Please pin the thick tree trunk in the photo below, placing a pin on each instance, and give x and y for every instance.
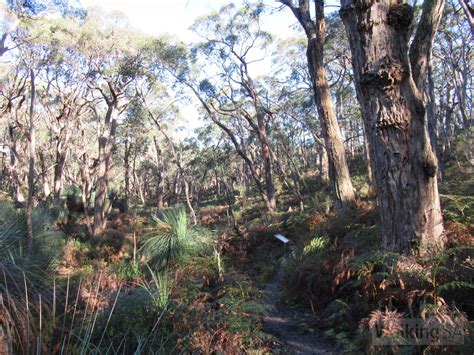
(394, 113)
(339, 178)
(105, 151)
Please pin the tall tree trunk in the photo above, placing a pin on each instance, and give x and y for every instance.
(85, 189)
(370, 171)
(31, 165)
(11, 166)
(159, 175)
(339, 178)
(432, 119)
(139, 188)
(128, 148)
(62, 141)
(44, 174)
(267, 163)
(105, 151)
(390, 91)
(323, 163)
(188, 201)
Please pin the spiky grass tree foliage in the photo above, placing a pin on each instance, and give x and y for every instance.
(171, 238)
(24, 296)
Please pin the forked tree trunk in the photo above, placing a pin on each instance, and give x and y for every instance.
(390, 91)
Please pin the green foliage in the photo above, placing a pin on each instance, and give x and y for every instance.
(126, 270)
(242, 305)
(159, 288)
(25, 276)
(456, 189)
(458, 208)
(455, 285)
(316, 244)
(74, 198)
(13, 240)
(171, 238)
(371, 261)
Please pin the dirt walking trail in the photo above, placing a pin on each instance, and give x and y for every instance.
(289, 325)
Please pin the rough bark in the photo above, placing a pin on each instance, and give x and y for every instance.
(394, 114)
(106, 142)
(339, 178)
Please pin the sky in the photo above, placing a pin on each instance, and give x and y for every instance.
(176, 16)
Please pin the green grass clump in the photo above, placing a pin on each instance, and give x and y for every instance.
(171, 238)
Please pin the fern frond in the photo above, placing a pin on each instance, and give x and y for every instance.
(455, 285)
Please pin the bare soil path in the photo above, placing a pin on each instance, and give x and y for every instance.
(291, 325)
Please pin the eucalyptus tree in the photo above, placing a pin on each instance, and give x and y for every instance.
(114, 59)
(315, 30)
(66, 98)
(21, 104)
(233, 41)
(390, 83)
(14, 91)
